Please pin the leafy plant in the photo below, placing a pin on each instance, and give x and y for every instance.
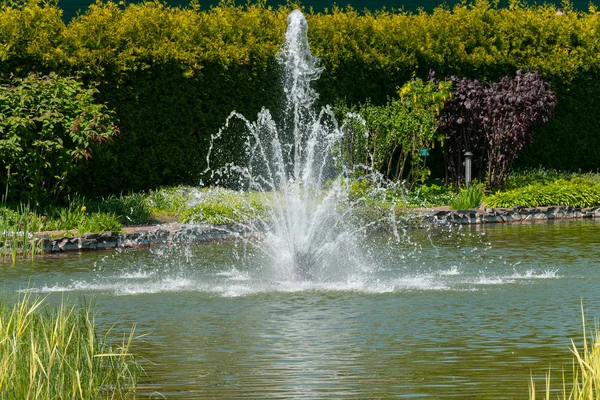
(430, 195)
(173, 200)
(398, 131)
(99, 222)
(494, 122)
(131, 209)
(560, 192)
(221, 207)
(468, 198)
(48, 124)
(521, 178)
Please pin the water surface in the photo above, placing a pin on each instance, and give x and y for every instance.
(462, 313)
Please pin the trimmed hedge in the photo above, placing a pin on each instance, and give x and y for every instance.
(174, 74)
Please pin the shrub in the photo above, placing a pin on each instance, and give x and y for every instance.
(48, 124)
(560, 192)
(398, 131)
(174, 74)
(494, 122)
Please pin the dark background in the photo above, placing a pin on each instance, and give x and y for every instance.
(71, 7)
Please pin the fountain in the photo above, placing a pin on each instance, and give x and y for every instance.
(307, 224)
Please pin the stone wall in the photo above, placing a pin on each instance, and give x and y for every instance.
(515, 214)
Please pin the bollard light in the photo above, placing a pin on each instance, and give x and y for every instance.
(468, 157)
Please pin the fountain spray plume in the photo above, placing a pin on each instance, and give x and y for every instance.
(306, 227)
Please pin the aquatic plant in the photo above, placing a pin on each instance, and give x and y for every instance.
(18, 233)
(48, 354)
(585, 383)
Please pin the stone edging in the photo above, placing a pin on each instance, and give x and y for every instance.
(515, 214)
(167, 234)
(177, 233)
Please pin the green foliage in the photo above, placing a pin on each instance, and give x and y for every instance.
(468, 198)
(47, 125)
(524, 177)
(222, 207)
(173, 74)
(430, 195)
(48, 353)
(132, 209)
(398, 131)
(560, 192)
(99, 222)
(173, 200)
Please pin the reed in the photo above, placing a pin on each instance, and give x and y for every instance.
(18, 236)
(585, 383)
(56, 353)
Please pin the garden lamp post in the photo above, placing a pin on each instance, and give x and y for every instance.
(468, 157)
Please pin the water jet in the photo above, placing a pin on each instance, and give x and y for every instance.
(291, 164)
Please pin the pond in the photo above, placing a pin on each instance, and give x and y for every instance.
(465, 312)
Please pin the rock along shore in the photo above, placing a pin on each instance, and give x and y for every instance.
(168, 234)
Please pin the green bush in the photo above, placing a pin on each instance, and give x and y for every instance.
(48, 124)
(398, 131)
(560, 192)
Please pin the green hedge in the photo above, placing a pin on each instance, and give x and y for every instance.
(174, 74)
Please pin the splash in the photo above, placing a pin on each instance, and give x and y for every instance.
(305, 224)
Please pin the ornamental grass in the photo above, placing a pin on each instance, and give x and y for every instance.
(56, 353)
(585, 383)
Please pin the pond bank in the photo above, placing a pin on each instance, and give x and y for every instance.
(168, 234)
(444, 215)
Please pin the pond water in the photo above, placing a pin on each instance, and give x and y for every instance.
(466, 312)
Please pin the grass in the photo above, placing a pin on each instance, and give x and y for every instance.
(468, 198)
(585, 383)
(52, 354)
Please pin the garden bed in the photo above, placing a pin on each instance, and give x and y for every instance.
(173, 233)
